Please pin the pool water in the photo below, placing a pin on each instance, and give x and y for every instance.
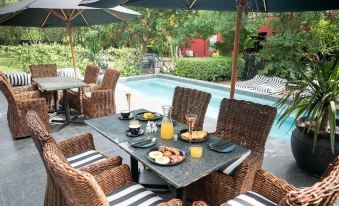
(164, 89)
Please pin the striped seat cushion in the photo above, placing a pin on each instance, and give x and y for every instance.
(85, 158)
(68, 72)
(133, 195)
(18, 78)
(250, 199)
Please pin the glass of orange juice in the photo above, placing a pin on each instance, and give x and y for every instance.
(196, 151)
(167, 129)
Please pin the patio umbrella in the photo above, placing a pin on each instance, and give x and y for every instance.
(61, 13)
(226, 5)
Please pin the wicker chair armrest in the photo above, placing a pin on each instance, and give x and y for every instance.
(29, 88)
(27, 95)
(101, 94)
(92, 87)
(99, 167)
(114, 178)
(271, 186)
(31, 104)
(77, 144)
(199, 203)
(172, 202)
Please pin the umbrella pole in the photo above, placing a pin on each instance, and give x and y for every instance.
(236, 47)
(70, 35)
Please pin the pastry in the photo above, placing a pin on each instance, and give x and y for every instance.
(195, 135)
(148, 115)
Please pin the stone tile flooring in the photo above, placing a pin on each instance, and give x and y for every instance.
(23, 178)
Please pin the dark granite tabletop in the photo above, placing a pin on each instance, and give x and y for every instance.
(58, 83)
(189, 171)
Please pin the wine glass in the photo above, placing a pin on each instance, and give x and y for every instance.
(190, 120)
(128, 97)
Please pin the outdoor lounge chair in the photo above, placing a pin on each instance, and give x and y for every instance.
(187, 100)
(247, 124)
(19, 103)
(112, 186)
(75, 96)
(273, 85)
(100, 99)
(79, 152)
(269, 190)
(250, 84)
(45, 70)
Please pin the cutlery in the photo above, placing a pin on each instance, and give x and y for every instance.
(142, 140)
(145, 142)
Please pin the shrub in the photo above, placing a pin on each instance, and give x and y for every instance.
(208, 68)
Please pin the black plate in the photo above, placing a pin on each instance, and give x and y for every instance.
(226, 147)
(193, 140)
(140, 116)
(129, 134)
(150, 144)
(131, 116)
(169, 164)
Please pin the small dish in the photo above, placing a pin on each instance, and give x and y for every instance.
(145, 144)
(222, 146)
(162, 162)
(193, 140)
(140, 116)
(131, 116)
(129, 134)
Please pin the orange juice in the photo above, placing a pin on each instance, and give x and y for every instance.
(196, 151)
(167, 131)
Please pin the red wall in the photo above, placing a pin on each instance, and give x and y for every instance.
(199, 48)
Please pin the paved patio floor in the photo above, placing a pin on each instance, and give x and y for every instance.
(23, 178)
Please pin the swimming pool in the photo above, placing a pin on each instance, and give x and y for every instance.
(164, 89)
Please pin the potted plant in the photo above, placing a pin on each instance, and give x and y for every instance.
(315, 140)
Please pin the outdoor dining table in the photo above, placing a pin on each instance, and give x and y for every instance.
(179, 176)
(53, 84)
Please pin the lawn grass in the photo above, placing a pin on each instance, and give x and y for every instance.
(7, 64)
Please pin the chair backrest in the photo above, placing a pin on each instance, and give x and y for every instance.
(6, 89)
(245, 123)
(324, 192)
(79, 188)
(91, 74)
(187, 100)
(43, 70)
(40, 135)
(3, 75)
(110, 79)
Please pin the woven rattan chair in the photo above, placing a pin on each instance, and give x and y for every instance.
(75, 95)
(19, 104)
(244, 123)
(113, 186)
(45, 70)
(100, 100)
(280, 192)
(21, 89)
(78, 151)
(187, 100)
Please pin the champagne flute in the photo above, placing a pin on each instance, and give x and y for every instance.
(128, 97)
(190, 120)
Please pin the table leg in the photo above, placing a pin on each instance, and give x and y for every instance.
(134, 169)
(181, 194)
(55, 97)
(66, 105)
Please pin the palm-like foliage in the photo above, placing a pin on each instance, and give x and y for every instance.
(315, 99)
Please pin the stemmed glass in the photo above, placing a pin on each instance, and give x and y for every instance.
(128, 97)
(190, 120)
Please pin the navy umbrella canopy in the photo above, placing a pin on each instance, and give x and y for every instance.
(226, 5)
(61, 13)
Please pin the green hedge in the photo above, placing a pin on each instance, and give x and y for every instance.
(207, 68)
(126, 60)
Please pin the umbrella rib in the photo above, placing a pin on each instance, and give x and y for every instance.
(67, 19)
(77, 14)
(265, 5)
(43, 23)
(10, 16)
(125, 2)
(84, 18)
(192, 4)
(57, 15)
(115, 15)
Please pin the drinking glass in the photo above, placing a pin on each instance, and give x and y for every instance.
(190, 120)
(196, 151)
(128, 97)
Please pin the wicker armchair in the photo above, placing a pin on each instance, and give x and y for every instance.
(21, 89)
(280, 192)
(244, 123)
(18, 105)
(113, 186)
(78, 151)
(190, 100)
(45, 70)
(100, 99)
(75, 96)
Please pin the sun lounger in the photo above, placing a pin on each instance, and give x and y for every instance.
(257, 80)
(274, 85)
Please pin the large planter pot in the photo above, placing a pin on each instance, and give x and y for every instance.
(302, 148)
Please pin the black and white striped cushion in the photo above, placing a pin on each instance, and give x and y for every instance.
(68, 72)
(133, 195)
(18, 78)
(85, 158)
(250, 199)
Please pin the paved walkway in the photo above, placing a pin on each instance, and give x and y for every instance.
(23, 178)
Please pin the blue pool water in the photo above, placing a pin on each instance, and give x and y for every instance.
(164, 89)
